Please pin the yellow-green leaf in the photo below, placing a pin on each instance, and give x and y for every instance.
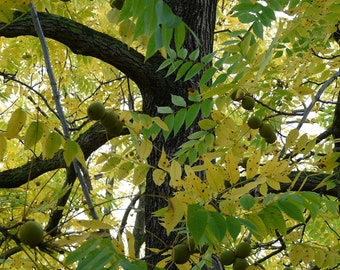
(158, 176)
(161, 123)
(291, 138)
(145, 149)
(33, 134)
(207, 124)
(70, 151)
(3, 146)
(15, 123)
(139, 174)
(51, 144)
(175, 174)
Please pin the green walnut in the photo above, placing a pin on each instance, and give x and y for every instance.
(180, 254)
(266, 130)
(243, 250)
(271, 139)
(254, 122)
(31, 233)
(111, 123)
(240, 264)
(248, 103)
(227, 257)
(96, 111)
(237, 95)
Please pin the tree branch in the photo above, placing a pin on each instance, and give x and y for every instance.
(89, 141)
(89, 42)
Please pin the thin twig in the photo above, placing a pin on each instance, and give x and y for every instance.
(313, 102)
(59, 107)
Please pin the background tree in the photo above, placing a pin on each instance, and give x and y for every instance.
(230, 134)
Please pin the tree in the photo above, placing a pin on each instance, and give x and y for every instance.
(183, 78)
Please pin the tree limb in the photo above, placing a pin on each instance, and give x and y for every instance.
(89, 141)
(89, 42)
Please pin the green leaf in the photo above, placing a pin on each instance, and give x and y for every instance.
(179, 120)
(258, 29)
(194, 55)
(233, 226)
(247, 201)
(182, 70)
(192, 114)
(217, 225)
(273, 219)
(173, 67)
(169, 120)
(179, 36)
(197, 221)
(207, 106)
(164, 110)
(166, 63)
(220, 79)
(178, 101)
(182, 53)
(194, 70)
(207, 58)
(207, 75)
(290, 208)
(82, 251)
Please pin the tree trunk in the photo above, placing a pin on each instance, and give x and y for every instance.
(199, 15)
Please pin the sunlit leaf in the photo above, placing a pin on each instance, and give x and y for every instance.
(33, 134)
(16, 123)
(51, 144)
(70, 151)
(173, 214)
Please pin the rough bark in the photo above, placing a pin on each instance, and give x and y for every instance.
(200, 17)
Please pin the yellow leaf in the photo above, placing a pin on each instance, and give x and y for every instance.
(15, 123)
(173, 215)
(273, 183)
(329, 162)
(301, 144)
(131, 244)
(3, 146)
(51, 145)
(124, 169)
(161, 123)
(33, 134)
(207, 124)
(296, 254)
(139, 174)
(253, 164)
(291, 138)
(163, 162)
(70, 151)
(232, 168)
(175, 174)
(158, 176)
(145, 149)
(80, 156)
(303, 90)
(215, 177)
(94, 224)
